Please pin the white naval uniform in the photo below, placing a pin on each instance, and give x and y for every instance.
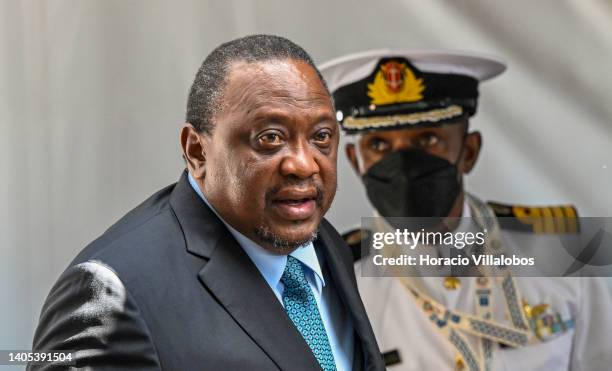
(400, 324)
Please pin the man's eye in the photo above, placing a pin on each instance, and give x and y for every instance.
(270, 139)
(379, 145)
(323, 137)
(428, 140)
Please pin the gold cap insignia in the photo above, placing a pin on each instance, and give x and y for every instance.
(395, 82)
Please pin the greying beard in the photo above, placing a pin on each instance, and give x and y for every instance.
(280, 244)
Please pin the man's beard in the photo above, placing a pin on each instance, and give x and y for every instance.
(281, 245)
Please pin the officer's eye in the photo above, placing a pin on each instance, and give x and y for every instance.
(270, 139)
(428, 140)
(378, 145)
(323, 137)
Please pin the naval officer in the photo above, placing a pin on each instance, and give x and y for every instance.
(408, 115)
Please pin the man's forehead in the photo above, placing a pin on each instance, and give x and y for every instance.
(276, 83)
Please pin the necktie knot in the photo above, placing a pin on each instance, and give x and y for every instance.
(293, 276)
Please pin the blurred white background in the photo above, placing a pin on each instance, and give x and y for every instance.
(92, 94)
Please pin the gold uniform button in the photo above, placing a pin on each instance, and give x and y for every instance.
(452, 283)
(459, 365)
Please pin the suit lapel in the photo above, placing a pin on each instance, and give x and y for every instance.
(235, 282)
(347, 290)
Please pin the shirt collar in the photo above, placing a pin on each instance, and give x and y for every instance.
(271, 266)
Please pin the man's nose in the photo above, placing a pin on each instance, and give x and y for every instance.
(401, 144)
(300, 162)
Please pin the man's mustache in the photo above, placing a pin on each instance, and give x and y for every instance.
(296, 184)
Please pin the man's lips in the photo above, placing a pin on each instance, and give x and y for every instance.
(295, 204)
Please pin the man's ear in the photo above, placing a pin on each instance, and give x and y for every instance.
(351, 154)
(471, 150)
(194, 151)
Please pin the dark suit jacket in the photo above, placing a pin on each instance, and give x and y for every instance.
(167, 287)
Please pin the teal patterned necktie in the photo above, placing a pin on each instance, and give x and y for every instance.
(302, 308)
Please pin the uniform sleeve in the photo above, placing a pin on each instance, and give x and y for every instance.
(592, 348)
(90, 313)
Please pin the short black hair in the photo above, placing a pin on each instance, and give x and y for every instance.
(206, 92)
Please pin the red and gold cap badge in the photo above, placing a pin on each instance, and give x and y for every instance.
(395, 82)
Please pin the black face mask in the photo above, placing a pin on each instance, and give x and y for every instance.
(412, 183)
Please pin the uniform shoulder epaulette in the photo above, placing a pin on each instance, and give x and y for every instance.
(353, 239)
(555, 219)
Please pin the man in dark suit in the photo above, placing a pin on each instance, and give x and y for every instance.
(233, 267)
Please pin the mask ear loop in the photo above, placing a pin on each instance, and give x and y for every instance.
(456, 164)
(465, 134)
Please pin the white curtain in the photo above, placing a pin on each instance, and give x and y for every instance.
(92, 94)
